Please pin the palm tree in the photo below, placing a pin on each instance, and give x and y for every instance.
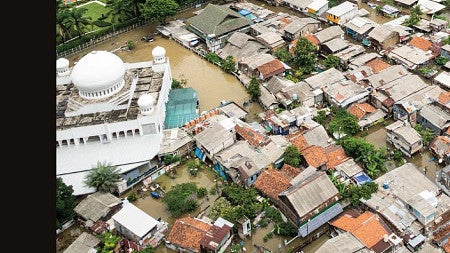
(103, 177)
(78, 21)
(121, 10)
(62, 18)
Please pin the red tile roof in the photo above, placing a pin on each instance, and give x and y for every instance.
(377, 65)
(366, 227)
(315, 156)
(444, 97)
(300, 142)
(255, 138)
(272, 182)
(335, 155)
(188, 232)
(312, 38)
(447, 247)
(421, 43)
(290, 171)
(214, 236)
(271, 68)
(359, 110)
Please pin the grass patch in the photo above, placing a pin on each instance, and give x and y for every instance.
(95, 11)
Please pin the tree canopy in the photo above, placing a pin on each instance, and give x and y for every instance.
(253, 89)
(305, 55)
(65, 202)
(292, 156)
(181, 198)
(343, 122)
(159, 10)
(332, 61)
(103, 177)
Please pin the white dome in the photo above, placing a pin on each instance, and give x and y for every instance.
(145, 101)
(158, 52)
(62, 63)
(98, 71)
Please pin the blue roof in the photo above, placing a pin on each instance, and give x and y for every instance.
(250, 16)
(362, 178)
(244, 12)
(181, 107)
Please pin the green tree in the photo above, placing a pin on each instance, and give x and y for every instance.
(283, 55)
(321, 117)
(103, 177)
(343, 122)
(441, 60)
(253, 89)
(62, 19)
(179, 84)
(426, 133)
(292, 156)
(332, 61)
(228, 65)
(219, 208)
(148, 249)
(169, 159)
(65, 202)
(414, 16)
(120, 10)
(108, 242)
(77, 21)
(182, 198)
(159, 10)
(305, 55)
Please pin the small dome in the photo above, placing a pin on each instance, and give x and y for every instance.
(145, 101)
(62, 63)
(158, 52)
(98, 71)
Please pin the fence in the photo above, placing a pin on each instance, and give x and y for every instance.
(103, 38)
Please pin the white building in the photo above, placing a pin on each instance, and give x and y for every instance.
(110, 111)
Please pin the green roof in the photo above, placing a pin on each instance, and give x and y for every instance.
(181, 107)
(218, 20)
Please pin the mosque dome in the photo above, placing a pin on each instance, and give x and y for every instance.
(62, 67)
(62, 63)
(158, 52)
(145, 103)
(98, 74)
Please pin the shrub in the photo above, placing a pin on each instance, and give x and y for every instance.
(132, 197)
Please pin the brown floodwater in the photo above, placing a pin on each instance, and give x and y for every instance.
(423, 160)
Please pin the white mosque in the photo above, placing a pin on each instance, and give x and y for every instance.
(110, 111)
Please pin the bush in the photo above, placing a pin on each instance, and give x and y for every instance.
(263, 223)
(101, 23)
(201, 192)
(213, 190)
(132, 197)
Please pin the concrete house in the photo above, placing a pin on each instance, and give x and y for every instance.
(344, 242)
(316, 135)
(346, 171)
(386, 75)
(387, 95)
(418, 196)
(297, 5)
(364, 59)
(403, 137)
(300, 92)
(300, 27)
(215, 24)
(273, 123)
(317, 7)
(443, 80)
(445, 51)
(85, 243)
(434, 118)
(195, 235)
(367, 115)
(417, 53)
(344, 93)
(271, 40)
(323, 79)
(342, 13)
(346, 55)
(370, 229)
(262, 66)
(406, 3)
(437, 24)
(213, 140)
(409, 107)
(329, 33)
(359, 27)
(267, 100)
(241, 45)
(275, 84)
(138, 226)
(98, 206)
(440, 147)
(333, 46)
(383, 37)
(311, 202)
(443, 179)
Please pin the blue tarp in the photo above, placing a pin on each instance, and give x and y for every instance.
(362, 178)
(250, 16)
(244, 12)
(199, 153)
